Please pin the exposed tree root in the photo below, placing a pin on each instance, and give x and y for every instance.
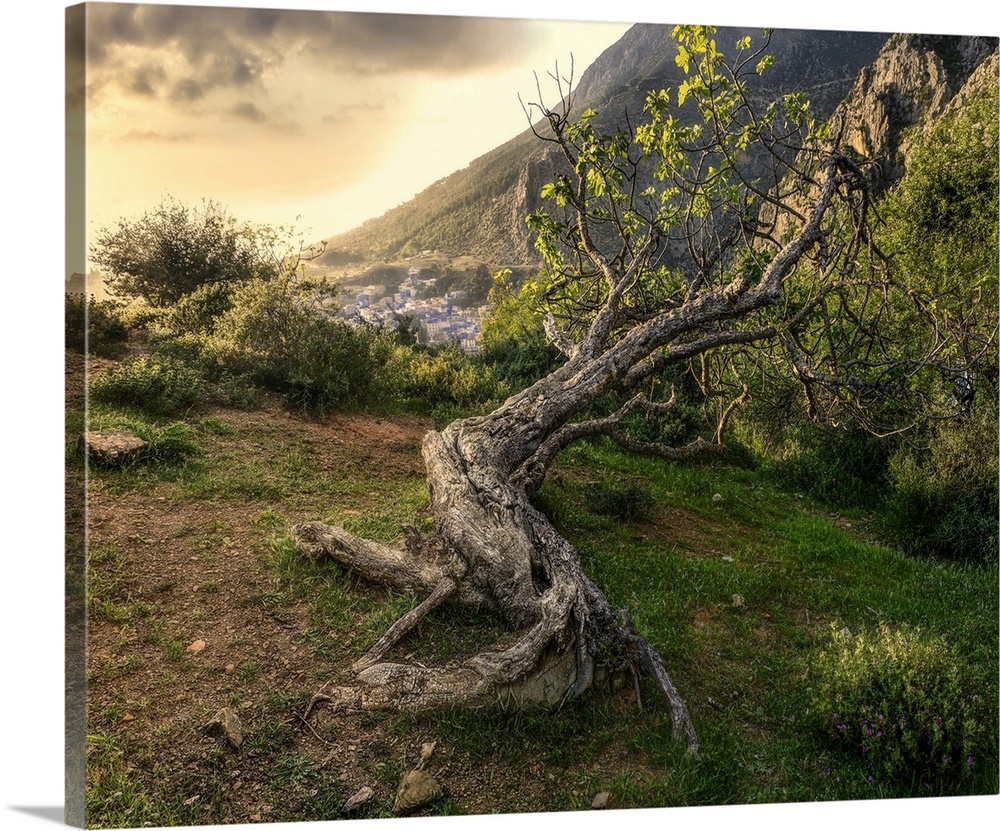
(534, 571)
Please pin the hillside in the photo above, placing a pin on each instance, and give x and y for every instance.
(480, 210)
(198, 601)
(877, 85)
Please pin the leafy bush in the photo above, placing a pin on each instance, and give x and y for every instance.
(173, 249)
(94, 325)
(625, 503)
(904, 707)
(198, 311)
(160, 385)
(445, 378)
(841, 466)
(278, 335)
(514, 342)
(947, 499)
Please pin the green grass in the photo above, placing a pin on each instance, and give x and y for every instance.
(743, 669)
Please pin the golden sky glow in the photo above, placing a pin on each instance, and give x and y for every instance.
(317, 119)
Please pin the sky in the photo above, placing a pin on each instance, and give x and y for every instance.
(305, 117)
(32, 222)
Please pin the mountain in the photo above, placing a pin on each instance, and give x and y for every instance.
(911, 82)
(479, 211)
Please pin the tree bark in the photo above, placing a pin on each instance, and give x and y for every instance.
(493, 550)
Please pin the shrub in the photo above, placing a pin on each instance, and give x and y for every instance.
(278, 335)
(946, 499)
(841, 466)
(173, 249)
(444, 378)
(159, 385)
(198, 311)
(94, 325)
(624, 503)
(904, 707)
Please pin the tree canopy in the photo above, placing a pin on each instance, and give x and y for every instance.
(733, 233)
(173, 249)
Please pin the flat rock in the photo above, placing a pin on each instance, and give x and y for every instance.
(601, 800)
(112, 448)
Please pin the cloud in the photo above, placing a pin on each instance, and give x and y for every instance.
(187, 90)
(138, 46)
(249, 112)
(157, 136)
(348, 113)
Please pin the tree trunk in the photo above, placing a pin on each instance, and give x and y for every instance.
(495, 551)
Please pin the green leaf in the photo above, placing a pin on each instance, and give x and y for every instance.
(682, 92)
(683, 59)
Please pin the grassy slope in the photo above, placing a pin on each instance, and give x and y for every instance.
(737, 594)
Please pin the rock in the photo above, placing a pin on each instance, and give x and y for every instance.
(601, 800)
(227, 724)
(738, 600)
(356, 801)
(196, 646)
(726, 558)
(717, 497)
(417, 788)
(425, 753)
(112, 448)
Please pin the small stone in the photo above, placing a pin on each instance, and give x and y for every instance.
(356, 801)
(425, 753)
(726, 558)
(601, 800)
(227, 724)
(738, 600)
(846, 634)
(416, 789)
(717, 497)
(196, 646)
(230, 669)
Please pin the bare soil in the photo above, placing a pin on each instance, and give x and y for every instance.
(205, 626)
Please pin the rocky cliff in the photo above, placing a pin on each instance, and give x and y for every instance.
(909, 84)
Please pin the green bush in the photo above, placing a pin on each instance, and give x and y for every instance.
(445, 378)
(904, 708)
(278, 336)
(946, 499)
(94, 325)
(157, 384)
(624, 503)
(840, 466)
(174, 249)
(198, 311)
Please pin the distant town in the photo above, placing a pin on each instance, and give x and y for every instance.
(433, 318)
(414, 303)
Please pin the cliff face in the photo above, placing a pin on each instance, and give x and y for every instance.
(910, 83)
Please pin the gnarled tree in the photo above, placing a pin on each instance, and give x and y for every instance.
(720, 222)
